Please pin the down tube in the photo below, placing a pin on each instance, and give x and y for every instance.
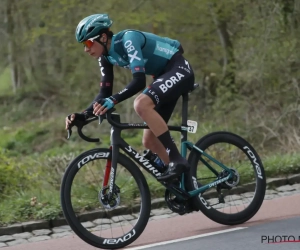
(139, 159)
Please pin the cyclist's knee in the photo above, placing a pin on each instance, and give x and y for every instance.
(143, 103)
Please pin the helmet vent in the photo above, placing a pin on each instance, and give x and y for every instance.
(90, 29)
(81, 28)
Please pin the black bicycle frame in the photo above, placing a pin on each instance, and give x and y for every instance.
(118, 142)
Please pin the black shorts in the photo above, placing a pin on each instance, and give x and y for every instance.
(177, 79)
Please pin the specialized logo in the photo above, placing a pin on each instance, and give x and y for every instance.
(169, 150)
(170, 82)
(112, 177)
(136, 124)
(187, 64)
(130, 48)
(143, 161)
(158, 80)
(218, 182)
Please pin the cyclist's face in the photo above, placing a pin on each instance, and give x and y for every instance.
(96, 49)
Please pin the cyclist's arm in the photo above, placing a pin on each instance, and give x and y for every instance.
(133, 42)
(106, 84)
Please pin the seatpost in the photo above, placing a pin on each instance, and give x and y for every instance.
(185, 99)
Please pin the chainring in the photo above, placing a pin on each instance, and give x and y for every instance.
(176, 205)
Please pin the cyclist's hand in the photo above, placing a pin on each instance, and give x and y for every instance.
(102, 105)
(71, 118)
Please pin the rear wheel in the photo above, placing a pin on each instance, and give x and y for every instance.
(237, 200)
(113, 222)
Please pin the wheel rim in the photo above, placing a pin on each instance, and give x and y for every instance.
(110, 225)
(224, 198)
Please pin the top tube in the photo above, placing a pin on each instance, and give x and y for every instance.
(114, 120)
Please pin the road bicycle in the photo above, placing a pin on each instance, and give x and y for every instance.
(226, 182)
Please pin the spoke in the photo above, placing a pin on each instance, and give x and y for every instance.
(233, 158)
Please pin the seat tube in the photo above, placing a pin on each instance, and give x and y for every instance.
(185, 99)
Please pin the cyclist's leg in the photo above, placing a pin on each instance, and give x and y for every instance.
(144, 107)
(176, 80)
(150, 141)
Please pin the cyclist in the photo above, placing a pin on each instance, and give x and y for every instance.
(144, 54)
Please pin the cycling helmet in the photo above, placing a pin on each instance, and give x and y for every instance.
(91, 26)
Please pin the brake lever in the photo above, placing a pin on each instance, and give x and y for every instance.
(69, 133)
(102, 117)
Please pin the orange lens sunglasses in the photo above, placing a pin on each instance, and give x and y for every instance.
(89, 43)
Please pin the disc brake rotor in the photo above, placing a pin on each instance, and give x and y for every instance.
(107, 201)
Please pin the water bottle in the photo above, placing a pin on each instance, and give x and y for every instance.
(158, 163)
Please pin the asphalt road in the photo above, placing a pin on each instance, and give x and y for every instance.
(276, 217)
(271, 235)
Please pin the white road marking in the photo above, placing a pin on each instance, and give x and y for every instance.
(187, 238)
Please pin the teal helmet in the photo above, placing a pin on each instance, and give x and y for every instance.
(91, 26)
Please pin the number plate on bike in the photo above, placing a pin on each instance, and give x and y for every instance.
(192, 126)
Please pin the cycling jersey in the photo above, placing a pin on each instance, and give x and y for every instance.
(146, 54)
(141, 51)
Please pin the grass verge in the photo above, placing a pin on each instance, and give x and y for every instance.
(37, 195)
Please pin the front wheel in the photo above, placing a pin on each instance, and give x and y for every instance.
(114, 222)
(234, 201)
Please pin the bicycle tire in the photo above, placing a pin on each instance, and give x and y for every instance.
(203, 204)
(70, 215)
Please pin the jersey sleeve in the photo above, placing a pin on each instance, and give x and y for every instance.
(133, 42)
(106, 84)
(107, 77)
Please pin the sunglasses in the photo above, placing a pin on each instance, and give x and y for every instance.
(89, 43)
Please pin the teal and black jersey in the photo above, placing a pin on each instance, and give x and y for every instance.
(141, 51)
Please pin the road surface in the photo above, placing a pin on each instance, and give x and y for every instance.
(196, 224)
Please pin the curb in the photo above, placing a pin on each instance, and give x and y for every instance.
(44, 224)
(30, 226)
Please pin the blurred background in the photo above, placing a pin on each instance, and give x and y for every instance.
(246, 56)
